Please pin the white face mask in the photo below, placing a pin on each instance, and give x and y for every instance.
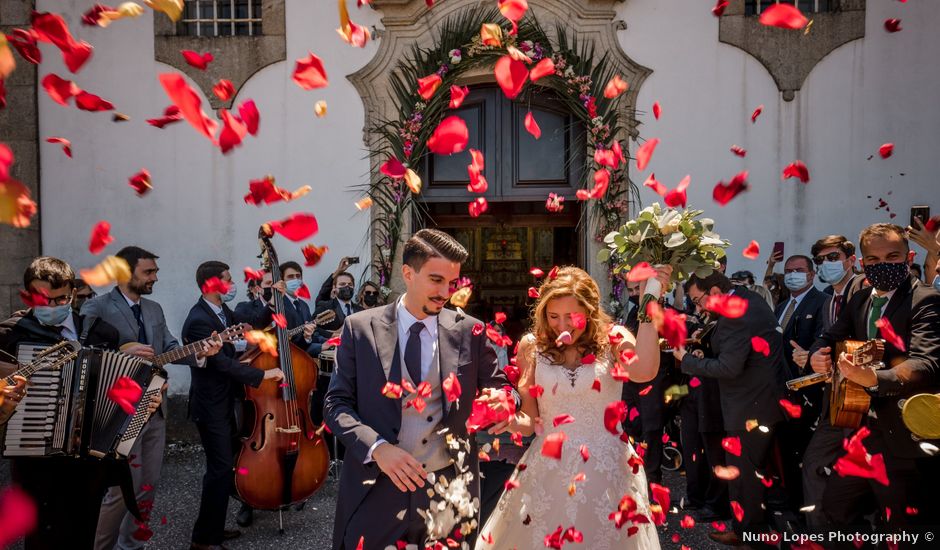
(831, 272)
(936, 283)
(795, 280)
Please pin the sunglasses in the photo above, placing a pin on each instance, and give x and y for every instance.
(832, 257)
(370, 293)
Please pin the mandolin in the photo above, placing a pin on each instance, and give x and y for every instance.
(321, 319)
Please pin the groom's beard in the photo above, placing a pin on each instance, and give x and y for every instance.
(427, 311)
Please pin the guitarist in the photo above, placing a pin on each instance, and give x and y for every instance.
(913, 310)
(142, 331)
(67, 491)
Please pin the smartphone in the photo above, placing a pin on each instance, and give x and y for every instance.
(920, 212)
(778, 250)
(353, 260)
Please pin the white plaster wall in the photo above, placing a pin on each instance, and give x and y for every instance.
(196, 211)
(879, 89)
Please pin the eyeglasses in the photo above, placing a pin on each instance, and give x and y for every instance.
(60, 300)
(370, 293)
(831, 257)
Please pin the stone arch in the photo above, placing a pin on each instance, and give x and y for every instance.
(409, 22)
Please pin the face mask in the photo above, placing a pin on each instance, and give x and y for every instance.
(831, 272)
(344, 293)
(267, 293)
(294, 285)
(936, 283)
(230, 295)
(887, 276)
(370, 299)
(52, 316)
(795, 280)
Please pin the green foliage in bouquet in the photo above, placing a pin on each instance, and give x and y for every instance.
(666, 236)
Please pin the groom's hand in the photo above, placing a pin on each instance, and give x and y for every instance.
(403, 469)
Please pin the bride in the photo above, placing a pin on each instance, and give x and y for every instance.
(591, 490)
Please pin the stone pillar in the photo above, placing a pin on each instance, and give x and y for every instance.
(19, 129)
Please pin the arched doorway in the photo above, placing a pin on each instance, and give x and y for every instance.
(517, 232)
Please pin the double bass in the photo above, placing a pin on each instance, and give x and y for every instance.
(285, 459)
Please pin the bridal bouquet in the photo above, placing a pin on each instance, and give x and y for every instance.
(665, 236)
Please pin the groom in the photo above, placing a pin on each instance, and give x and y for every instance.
(391, 445)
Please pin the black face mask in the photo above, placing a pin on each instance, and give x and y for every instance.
(344, 293)
(887, 276)
(267, 293)
(370, 299)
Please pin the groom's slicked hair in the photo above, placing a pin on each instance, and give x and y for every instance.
(432, 243)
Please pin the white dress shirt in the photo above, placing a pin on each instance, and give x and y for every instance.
(796, 299)
(68, 328)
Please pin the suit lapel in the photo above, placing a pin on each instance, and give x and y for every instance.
(215, 318)
(385, 333)
(448, 348)
(897, 298)
(861, 317)
(120, 304)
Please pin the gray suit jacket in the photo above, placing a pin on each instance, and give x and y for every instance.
(113, 308)
(356, 411)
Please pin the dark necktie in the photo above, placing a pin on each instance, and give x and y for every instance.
(788, 314)
(141, 332)
(836, 307)
(413, 352)
(877, 305)
(348, 310)
(221, 315)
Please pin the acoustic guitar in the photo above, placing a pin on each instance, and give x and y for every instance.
(848, 401)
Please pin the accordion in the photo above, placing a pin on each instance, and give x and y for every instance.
(67, 411)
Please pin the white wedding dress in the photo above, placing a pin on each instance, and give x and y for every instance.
(541, 503)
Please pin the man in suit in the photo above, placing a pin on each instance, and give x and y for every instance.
(212, 395)
(802, 318)
(834, 257)
(750, 384)
(142, 329)
(344, 287)
(391, 447)
(913, 310)
(67, 490)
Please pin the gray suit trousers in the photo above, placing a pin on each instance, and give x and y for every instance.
(116, 526)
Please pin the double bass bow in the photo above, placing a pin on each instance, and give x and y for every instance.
(285, 459)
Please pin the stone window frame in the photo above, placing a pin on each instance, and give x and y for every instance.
(789, 56)
(236, 58)
(831, 4)
(215, 20)
(407, 22)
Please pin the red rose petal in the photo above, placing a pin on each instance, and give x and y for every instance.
(892, 25)
(735, 506)
(719, 8)
(224, 89)
(722, 193)
(511, 75)
(33, 298)
(793, 410)
(641, 272)
(428, 85)
(125, 393)
(451, 387)
(253, 274)
(477, 329)
(170, 115)
(215, 285)
(545, 67)
(197, 60)
(313, 254)
(66, 144)
(615, 87)
(477, 206)
(59, 89)
(752, 251)
(279, 319)
(50, 27)
(732, 445)
(739, 151)
(784, 16)
(140, 182)
(451, 136)
(677, 197)
(90, 102)
(309, 73)
(760, 345)
(189, 103)
(100, 237)
(233, 132)
(645, 153)
(796, 169)
(532, 126)
(727, 305)
(393, 168)
(886, 150)
(25, 42)
(513, 10)
(296, 227)
(499, 317)
(334, 342)
(18, 514)
(457, 95)
(248, 112)
(859, 462)
(562, 419)
(552, 445)
(657, 110)
(757, 112)
(655, 185)
(614, 414)
(887, 332)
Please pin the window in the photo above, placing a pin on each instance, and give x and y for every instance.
(221, 18)
(755, 7)
(518, 167)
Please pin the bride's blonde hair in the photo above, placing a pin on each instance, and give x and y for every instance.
(575, 282)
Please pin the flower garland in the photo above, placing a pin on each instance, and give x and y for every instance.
(578, 78)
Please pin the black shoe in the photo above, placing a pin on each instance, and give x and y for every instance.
(230, 534)
(707, 514)
(300, 506)
(246, 515)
